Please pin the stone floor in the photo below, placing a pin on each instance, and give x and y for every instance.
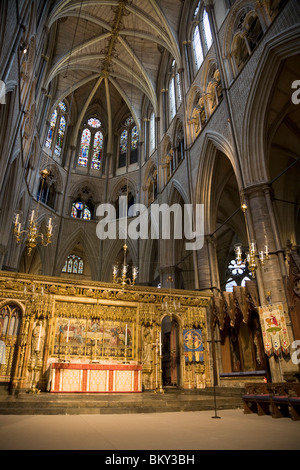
(184, 431)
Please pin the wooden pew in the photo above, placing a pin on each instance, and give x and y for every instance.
(276, 399)
(257, 399)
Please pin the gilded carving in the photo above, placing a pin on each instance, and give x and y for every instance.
(65, 321)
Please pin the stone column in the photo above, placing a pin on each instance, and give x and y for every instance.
(271, 279)
(262, 228)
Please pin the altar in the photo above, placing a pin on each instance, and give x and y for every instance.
(96, 378)
(91, 337)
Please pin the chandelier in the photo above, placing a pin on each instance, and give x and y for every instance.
(253, 254)
(123, 279)
(31, 234)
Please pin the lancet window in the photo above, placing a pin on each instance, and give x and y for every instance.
(201, 35)
(174, 91)
(128, 143)
(73, 265)
(91, 145)
(57, 130)
(152, 133)
(47, 190)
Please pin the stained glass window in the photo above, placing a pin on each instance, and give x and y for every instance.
(123, 148)
(129, 121)
(87, 213)
(70, 265)
(123, 141)
(73, 265)
(57, 128)
(81, 211)
(84, 148)
(51, 129)
(97, 150)
(129, 140)
(95, 123)
(134, 145)
(62, 106)
(60, 135)
(80, 267)
(134, 137)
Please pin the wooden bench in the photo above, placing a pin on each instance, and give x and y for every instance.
(286, 406)
(257, 399)
(278, 400)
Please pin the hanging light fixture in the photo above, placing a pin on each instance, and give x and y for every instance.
(123, 279)
(253, 254)
(31, 234)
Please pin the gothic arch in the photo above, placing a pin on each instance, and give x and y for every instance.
(254, 149)
(115, 250)
(32, 264)
(149, 253)
(236, 29)
(150, 182)
(118, 186)
(78, 237)
(17, 303)
(213, 141)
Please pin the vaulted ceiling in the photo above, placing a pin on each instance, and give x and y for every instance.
(108, 53)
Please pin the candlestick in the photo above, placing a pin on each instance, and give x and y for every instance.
(126, 336)
(50, 226)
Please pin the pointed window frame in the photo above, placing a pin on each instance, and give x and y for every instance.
(201, 35)
(129, 139)
(92, 145)
(57, 130)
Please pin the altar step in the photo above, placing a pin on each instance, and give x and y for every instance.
(146, 402)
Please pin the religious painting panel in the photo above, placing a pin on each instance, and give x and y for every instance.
(93, 337)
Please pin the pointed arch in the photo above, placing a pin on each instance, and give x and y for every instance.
(213, 142)
(69, 245)
(254, 145)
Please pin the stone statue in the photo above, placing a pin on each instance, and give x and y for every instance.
(38, 338)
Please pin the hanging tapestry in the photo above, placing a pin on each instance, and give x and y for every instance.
(193, 345)
(274, 329)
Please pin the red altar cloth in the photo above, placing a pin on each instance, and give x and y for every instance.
(96, 378)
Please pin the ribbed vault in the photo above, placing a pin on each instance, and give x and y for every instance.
(110, 51)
